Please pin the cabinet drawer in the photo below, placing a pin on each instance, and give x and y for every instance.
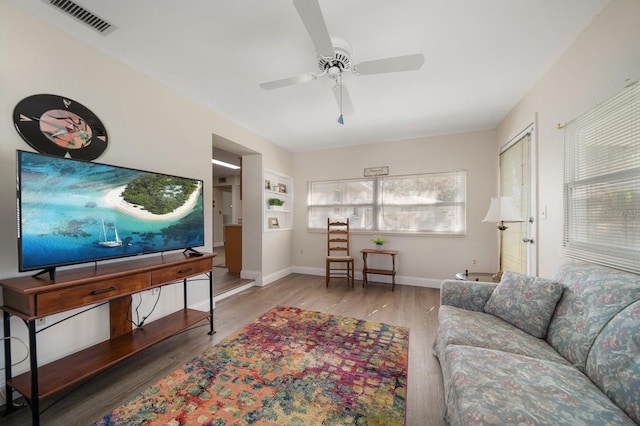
(68, 298)
(179, 272)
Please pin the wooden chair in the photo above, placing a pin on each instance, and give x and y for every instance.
(338, 251)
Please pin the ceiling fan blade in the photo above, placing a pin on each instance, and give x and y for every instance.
(311, 15)
(394, 64)
(347, 106)
(276, 84)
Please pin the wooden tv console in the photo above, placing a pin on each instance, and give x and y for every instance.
(30, 298)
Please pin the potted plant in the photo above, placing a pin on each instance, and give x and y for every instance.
(275, 203)
(379, 242)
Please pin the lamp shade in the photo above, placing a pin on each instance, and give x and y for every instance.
(501, 210)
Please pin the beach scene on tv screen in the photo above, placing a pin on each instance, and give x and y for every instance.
(75, 211)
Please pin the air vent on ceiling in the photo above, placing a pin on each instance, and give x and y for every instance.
(83, 15)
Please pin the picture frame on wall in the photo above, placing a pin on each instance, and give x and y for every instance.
(273, 223)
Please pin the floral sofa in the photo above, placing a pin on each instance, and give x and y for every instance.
(531, 351)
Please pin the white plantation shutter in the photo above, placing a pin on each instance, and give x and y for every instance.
(602, 183)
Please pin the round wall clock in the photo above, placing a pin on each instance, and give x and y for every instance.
(60, 126)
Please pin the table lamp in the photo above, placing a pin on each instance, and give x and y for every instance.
(501, 211)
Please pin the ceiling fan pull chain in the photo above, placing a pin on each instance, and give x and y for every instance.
(341, 118)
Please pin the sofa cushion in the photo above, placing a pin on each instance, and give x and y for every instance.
(614, 360)
(461, 327)
(486, 387)
(525, 301)
(593, 295)
(471, 295)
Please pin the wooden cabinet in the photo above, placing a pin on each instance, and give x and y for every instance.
(233, 248)
(30, 298)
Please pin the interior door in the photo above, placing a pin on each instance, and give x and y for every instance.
(517, 181)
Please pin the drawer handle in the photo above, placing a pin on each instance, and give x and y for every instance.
(104, 290)
(184, 271)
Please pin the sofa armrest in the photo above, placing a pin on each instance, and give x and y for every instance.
(469, 295)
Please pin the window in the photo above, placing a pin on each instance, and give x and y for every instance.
(602, 183)
(430, 203)
(351, 199)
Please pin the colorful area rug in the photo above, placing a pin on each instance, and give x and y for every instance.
(288, 367)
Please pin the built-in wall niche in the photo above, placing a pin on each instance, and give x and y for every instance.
(277, 201)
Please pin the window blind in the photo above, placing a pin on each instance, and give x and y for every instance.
(602, 183)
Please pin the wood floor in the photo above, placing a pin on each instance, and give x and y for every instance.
(224, 280)
(412, 307)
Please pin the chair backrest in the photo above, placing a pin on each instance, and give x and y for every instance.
(337, 237)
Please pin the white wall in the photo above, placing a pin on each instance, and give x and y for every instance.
(423, 260)
(135, 111)
(604, 59)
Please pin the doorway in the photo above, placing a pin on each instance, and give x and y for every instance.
(227, 215)
(517, 180)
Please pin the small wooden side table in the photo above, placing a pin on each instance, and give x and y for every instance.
(390, 272)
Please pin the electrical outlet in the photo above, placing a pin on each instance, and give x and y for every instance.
(475, 262)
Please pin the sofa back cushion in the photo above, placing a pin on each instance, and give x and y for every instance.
(525, 301)
(614, 361)
(593, 295)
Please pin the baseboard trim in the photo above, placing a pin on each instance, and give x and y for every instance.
(276, 276)
(400, 279)
(203, 305)
(252, 275)
(234, 291)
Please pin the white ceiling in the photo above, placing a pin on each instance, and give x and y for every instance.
(481, 58)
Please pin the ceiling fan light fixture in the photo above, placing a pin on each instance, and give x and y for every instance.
(334, 58)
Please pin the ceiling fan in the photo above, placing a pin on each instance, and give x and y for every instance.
(334, 58)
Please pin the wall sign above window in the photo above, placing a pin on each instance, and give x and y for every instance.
(376, 171)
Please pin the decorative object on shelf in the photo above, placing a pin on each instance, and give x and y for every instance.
(59, 126)
(275, 203)
(273, 223)
(277, 200)
(501, 211)
(379, 242)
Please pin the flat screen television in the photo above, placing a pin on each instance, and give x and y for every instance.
(74, 211)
